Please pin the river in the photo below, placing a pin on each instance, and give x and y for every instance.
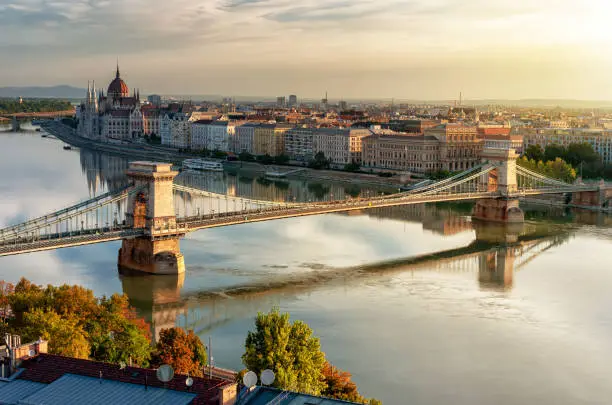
(499, 315)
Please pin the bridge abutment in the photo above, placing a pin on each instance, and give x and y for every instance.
(499, 210)
(152, 208)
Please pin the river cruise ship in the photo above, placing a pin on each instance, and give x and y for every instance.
(201, 164)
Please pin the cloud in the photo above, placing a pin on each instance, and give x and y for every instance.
(203, 46)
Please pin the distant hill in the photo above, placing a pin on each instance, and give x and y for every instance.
(63, 91)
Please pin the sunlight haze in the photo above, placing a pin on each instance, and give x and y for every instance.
(407, 49)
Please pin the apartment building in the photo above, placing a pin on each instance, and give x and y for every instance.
(341, 145)
(599, 139)
(269, 139)
(299, 144)
(416, 154)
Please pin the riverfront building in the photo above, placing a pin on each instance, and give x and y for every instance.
(599, 139)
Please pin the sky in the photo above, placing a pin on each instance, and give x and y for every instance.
(354, 49)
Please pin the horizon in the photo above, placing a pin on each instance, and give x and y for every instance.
(420, 50)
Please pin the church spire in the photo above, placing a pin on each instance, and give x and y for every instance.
(117, 75)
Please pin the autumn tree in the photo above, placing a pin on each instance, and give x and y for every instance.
(289, 349)
(116, 334)
(66, 337)
(183, 351)
(338, 385)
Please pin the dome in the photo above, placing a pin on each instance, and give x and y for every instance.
(117, 87)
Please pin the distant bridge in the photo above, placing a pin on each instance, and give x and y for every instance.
(153, 213)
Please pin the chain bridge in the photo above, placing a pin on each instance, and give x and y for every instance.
(154, 212)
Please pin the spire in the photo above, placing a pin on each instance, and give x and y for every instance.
(117, 75)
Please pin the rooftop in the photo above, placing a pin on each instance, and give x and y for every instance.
(59, 373)
(265, 395)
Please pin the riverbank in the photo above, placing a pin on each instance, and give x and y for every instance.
(164, 154)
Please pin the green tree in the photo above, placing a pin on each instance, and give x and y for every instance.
(281, 159)
(64, 334)
(289, 349)
(553, 152)
(534, 152)
(578, 153)
(319, 161)
(116, 334)
(352, 167)
(246, 157)
(183, 351)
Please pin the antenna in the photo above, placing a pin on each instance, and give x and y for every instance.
(164, 373)
(267, 377)
(250, 379)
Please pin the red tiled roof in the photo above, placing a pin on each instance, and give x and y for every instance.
(46, 368)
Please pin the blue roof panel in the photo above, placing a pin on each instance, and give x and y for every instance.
(73, 389)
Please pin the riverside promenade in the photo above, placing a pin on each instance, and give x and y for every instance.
(164, 154)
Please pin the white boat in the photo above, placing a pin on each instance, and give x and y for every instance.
(201, 164)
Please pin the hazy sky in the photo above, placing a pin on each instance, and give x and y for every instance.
(407, 49)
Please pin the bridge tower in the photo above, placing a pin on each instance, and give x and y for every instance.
(152, 208)
(502, 179)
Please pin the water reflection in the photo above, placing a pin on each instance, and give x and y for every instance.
(493, 257)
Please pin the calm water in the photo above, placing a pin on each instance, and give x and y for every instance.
(500, 315)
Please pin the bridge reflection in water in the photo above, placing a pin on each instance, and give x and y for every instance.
(498, 251)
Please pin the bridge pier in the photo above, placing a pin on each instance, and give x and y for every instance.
(502, 179)
(499, 210)
(152, 208)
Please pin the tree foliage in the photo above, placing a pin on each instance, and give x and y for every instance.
(66, 337)
(289, 349)
(534, 152)
(319, 161)
(557, 169)
(13, 106)
(183, 351)
(78, 324)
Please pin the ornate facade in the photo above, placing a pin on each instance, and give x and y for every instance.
(116, 115)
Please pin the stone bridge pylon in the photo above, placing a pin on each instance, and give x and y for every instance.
(502, 179)
(152, 208)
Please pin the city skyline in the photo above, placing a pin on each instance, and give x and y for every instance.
(353, 49)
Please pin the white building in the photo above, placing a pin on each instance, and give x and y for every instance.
(299, 144)
(246, 134)
(175, 130)
(341, 145)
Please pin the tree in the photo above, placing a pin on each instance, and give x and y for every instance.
(554, 151)
(117, 334)
(65, 336)
(288, 349)
(578, 153)
(339, 384)
(281, 159)
(319, 161)
(352, 167)
(183, 351)
(246, 156)
(534, 152)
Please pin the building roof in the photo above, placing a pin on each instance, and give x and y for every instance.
(47, 368)
(73, 389)
(14, 391)
(118, 87)
(265, 395)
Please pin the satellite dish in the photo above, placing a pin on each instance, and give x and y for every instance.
(122, 365)
(267, 377)
(189, 381)
(250, 379)
(32, 353)
(164, 373)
